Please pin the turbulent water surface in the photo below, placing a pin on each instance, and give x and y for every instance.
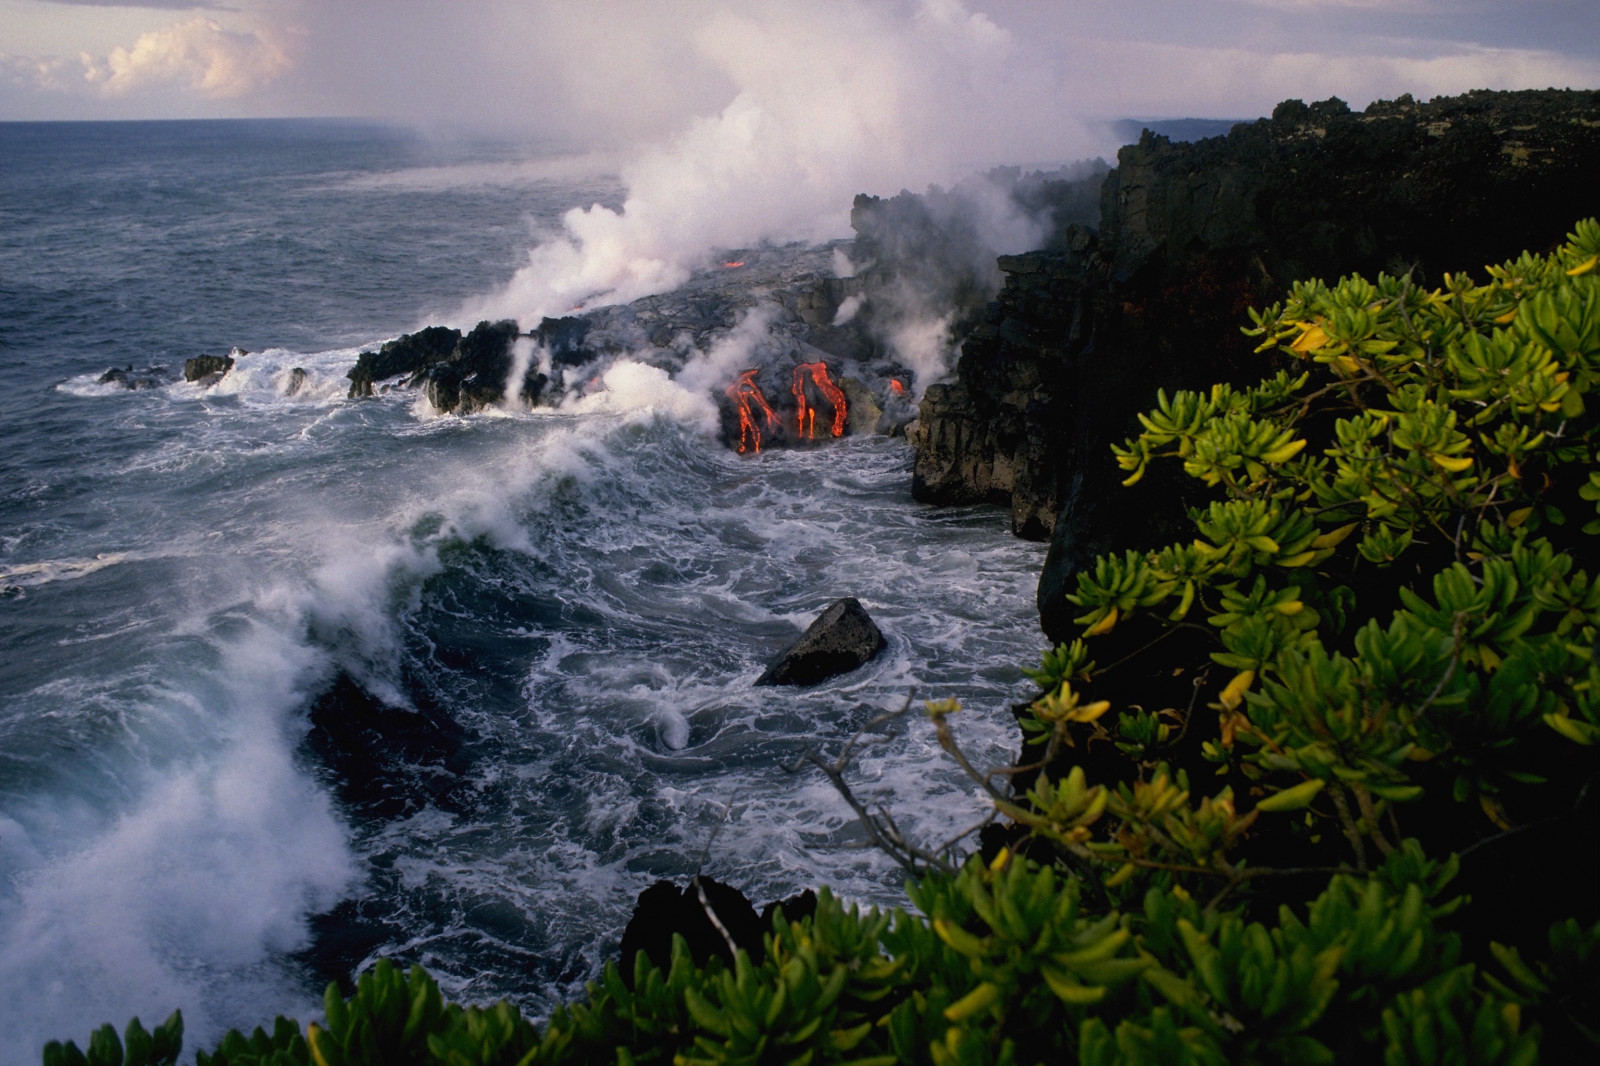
(588, 594)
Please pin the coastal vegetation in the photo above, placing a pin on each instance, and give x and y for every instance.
(1269, 790)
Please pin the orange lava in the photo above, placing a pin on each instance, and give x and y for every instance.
(818, 372)
(894, 384)
(730, 264)
(743, 392)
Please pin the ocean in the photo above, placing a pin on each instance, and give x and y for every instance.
(581, 597)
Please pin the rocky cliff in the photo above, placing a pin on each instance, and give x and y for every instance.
(1190, 236)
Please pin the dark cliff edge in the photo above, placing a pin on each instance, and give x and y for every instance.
(1191, 235)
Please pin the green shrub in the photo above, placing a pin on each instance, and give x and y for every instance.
(1380, 641)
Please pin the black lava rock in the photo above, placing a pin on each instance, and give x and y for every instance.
(408, 354)
(843, 638)
(203, 366)
(664, 909)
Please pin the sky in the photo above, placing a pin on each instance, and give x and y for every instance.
(736, 121)
(615, 72)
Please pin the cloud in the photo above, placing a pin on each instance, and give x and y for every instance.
(165, 5)
(198, 54)
(50, 73)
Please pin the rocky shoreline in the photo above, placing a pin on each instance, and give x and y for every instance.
(1190, 236)
(1141, 281)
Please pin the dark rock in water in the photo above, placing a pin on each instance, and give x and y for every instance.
(843, 638)
(481, 364)
(456, 373)
(564, 339)
(152, 377)
(407, 354)
(296, 382)
(204, 366)
(664, 909)
(533, 386)
(385, 761)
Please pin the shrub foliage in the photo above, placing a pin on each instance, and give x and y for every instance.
(1234, 843)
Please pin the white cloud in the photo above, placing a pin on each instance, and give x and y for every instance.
(198, 54)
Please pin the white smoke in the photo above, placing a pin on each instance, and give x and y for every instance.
(825, 103)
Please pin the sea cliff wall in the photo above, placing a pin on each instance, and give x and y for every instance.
(1192, 234)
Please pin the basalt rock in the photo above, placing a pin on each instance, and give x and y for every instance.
(407, 354)
(455, 372)
(664, 909)
(1190, 236)
(564, 339)
(843, 638)
(152, 377)
(474, 376)
(296, 382)
(385, 761)
(207, 369)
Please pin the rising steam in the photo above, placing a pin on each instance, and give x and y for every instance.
(868, 98)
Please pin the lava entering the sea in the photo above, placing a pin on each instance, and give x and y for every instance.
(818, 372)
(743, 392)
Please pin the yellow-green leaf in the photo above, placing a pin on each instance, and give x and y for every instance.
(1291, 799)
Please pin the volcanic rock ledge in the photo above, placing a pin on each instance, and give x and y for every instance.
(1193, 234)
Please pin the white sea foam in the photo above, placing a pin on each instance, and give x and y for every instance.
(183, 894)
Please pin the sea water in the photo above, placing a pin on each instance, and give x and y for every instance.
(588, 594)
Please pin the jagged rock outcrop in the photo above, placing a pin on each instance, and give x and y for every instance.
(843, 638)
(1190, 236)
(664, 909)
(456, 373)
(408, 354)
(474, 375)
(207, 369)
(151, 377)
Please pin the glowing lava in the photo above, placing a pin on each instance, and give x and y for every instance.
(743, 392)
(894, 383)
(818, 372)
(730, 264)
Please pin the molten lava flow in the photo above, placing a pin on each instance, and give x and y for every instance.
(894, 384)
(818, 373)
(742, 392)
(730, 264)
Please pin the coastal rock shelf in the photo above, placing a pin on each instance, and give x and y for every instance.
(1190, 236)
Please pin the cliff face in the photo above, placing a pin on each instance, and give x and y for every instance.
(1193, 234)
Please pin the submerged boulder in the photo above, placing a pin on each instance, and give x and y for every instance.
(151, 377)
(385, 761)
(843, 638)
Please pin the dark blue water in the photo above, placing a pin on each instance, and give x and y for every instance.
(582, 598)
